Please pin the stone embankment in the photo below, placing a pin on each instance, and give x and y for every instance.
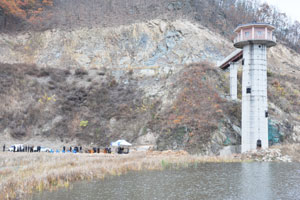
(266, 155)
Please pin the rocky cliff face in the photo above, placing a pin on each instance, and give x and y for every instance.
(147, 47)
(93, 85)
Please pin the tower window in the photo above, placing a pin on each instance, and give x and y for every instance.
(259, 33)
(266, 114)
(248, 90)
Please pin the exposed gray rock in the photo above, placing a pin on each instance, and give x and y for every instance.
(229, 150)
(143, 49)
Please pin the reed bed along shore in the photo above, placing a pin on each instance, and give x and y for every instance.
(21, 174)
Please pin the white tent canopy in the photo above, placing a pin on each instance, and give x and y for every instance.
(119, 143)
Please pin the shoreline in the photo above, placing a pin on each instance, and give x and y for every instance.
(22, 174)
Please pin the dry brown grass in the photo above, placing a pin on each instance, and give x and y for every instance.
(21, 174)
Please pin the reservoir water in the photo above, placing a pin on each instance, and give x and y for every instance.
(255, 181)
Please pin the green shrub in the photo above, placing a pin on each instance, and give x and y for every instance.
(84, 123)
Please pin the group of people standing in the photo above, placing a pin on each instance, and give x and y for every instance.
(21, 148)
(76, 149)
(79, 150)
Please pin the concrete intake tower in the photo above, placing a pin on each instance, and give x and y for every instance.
(254, 39)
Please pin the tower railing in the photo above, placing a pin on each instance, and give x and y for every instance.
(238, 39)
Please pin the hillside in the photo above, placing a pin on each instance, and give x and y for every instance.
(152, 83)
(222, 16)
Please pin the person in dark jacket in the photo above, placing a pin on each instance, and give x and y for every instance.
(4, 148)
(120, 150)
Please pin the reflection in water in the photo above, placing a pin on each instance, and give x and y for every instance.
(255, 181)
(205, 181)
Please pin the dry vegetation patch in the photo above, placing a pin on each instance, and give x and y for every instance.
(198, 111)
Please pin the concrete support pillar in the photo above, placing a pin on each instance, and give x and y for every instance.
(254, 97)
(233, 80)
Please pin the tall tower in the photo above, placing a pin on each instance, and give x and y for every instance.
(254, 39)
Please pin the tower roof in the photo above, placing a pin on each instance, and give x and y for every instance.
(254, 24)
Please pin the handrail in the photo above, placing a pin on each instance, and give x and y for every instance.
(237, 39)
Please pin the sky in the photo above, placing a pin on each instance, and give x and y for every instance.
(290, 7)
